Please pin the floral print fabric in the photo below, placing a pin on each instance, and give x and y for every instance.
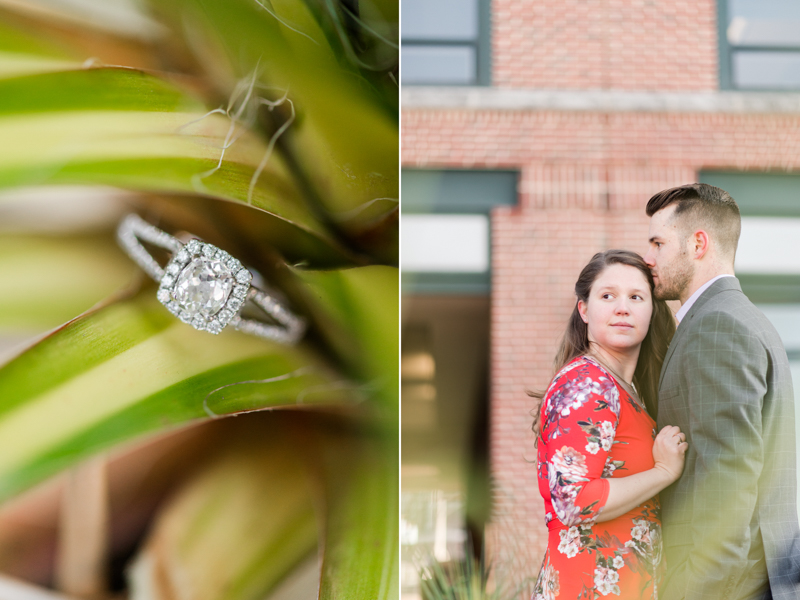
(592, 430)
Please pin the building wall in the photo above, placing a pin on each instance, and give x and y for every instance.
(605, 44)
(575, 150)
(585, 179)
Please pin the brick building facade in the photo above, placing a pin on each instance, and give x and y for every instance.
(597, 105)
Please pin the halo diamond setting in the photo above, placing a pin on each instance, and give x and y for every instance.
(204, 286)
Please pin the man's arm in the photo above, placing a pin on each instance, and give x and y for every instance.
(726, 370)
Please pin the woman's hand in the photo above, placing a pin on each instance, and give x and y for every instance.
(669, 451)
(626, 493)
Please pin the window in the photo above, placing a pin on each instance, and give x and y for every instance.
(445, 241)
(759, 44)
(445, 42)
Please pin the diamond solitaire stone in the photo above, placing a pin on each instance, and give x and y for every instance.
(203, 286)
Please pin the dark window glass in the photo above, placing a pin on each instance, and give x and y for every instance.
(763, 44)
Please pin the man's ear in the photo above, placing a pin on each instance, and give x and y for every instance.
(700, 243)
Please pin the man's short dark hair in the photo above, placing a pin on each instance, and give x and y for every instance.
(699, 205)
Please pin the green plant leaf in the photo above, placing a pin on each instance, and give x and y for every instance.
(238, 527)
(128, 369)
(286, 43)
(359, 471)
(246, 518)
(84, 270)
(125, 128)
(23, 52)
(356, 311)
(131, 368)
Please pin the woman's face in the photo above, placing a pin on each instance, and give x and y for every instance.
(618, 309)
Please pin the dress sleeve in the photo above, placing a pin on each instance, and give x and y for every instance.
(581, 413)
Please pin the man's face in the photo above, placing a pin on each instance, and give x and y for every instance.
(668, 256)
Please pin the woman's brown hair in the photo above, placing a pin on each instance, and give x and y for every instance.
(654, 346)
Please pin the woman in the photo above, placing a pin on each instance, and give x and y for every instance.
(600, 462)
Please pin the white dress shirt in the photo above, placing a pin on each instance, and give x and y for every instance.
(688, 304)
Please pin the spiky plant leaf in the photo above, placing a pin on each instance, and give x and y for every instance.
(22, 54)
(84, 269)
(128, 369)
(236, 529)
(361, 483)
(128, 129)
(283, 148)
(356, 311)
(338, 108)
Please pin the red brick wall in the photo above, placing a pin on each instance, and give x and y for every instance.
(585, 179)
(605, 44)
(591, 143)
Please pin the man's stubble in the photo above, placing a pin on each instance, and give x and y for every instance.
(674, 278)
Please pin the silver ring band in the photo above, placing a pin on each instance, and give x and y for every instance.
(205, 286)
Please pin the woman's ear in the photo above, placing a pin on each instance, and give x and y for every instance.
(582, 311)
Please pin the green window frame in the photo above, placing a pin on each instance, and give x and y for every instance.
(729, 52)
(455, 192)
(481, 45)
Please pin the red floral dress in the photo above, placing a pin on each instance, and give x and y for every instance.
(592, 430)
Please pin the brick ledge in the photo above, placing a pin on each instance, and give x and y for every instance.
(484, 98)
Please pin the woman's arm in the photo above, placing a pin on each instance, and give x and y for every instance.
(579, 420)
(626, 493)
(580, 417)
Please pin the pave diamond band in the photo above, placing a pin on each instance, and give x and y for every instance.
(205, 286)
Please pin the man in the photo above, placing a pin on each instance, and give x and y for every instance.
(730, 522)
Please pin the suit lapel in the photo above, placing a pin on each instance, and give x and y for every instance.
(721, 285)
(671, 350)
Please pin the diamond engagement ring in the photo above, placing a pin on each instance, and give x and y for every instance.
(205, 286)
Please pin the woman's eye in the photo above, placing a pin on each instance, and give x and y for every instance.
(606, 296)
(636, 297)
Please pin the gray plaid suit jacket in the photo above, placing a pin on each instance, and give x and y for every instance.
(731, 520)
